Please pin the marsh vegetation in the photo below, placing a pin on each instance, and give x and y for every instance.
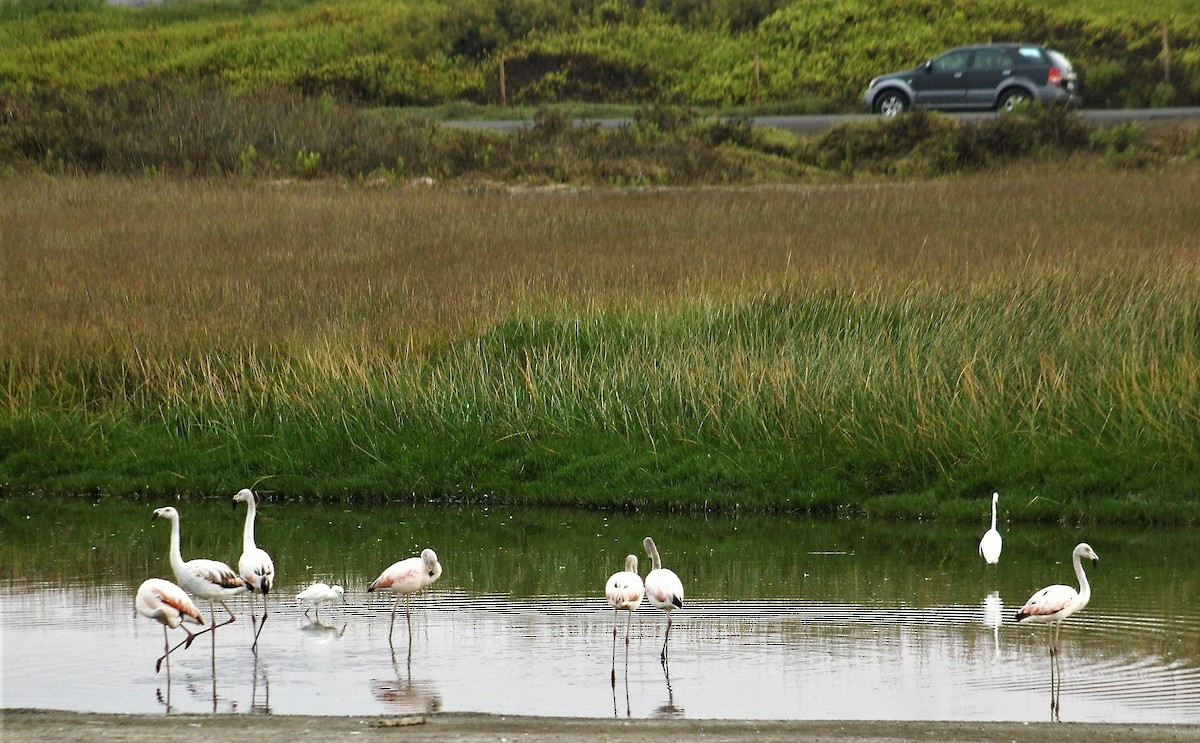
(884, 348)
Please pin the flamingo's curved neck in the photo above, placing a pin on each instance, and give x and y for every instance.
(248, 532)
(175, 556)
(631, 564)
(655, 560)
(1085, 590)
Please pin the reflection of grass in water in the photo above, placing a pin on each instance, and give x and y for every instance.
(896, 349)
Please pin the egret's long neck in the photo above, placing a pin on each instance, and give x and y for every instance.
(1085, 590)
(993, 514)
(175, 557)
(248, 532)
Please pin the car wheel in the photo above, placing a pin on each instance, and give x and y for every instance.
(1012, 99)
(891, 103)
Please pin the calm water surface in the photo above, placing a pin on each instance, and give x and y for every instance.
(784, 617)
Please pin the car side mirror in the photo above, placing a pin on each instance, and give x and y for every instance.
(928, 65)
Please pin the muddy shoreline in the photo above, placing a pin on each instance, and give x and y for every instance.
(28, 726)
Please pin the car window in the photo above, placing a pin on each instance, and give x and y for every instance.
(951, 61)
(991, 59)
(1059, 60)
(1030, 54)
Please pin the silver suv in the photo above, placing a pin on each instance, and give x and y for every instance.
(984, 76)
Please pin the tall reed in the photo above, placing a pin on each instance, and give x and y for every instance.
(815, 347)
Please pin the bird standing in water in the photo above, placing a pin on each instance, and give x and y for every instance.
(255, 565)
(990, 545)
(663, 589)
(405, 578)
(624, 591)
(320, 593)
(211, 580)
(1053, 604)
(170, 606)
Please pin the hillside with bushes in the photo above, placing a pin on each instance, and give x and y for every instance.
(771, 54)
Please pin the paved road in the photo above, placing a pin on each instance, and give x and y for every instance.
(819, 123)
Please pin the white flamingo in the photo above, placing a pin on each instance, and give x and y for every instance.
(167, 604)
(990, 545)
(405, 578)
(1053, 604)
(663, 589)
(624, 591)
(320, 593)
(254, 566)
(210, 580)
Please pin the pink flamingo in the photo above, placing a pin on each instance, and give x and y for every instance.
(1053, 604)
(405, 578)
(624, 591)
(255, 565)
(167, 604)
(210, 580)
(663, 589)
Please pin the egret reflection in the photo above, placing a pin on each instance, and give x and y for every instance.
(993, 615)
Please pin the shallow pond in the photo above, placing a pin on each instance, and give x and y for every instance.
(784, 617)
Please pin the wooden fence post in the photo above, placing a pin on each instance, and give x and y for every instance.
(757, 77)
(1166, 56)
(503, 92)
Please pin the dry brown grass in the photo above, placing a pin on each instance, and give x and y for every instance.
(192, 264)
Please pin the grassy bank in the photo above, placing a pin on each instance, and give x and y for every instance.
(892, 349)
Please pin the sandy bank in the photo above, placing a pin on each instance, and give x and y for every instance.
(28, 726)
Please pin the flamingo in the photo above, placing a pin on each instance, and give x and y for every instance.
(320, 593)
(1053, 604)
(167, 604)
(624, 591)
(211, 580)
(255, 565)
(990, 545)
(663, 589)
(405, 578)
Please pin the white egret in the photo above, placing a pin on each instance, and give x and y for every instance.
(990, 545)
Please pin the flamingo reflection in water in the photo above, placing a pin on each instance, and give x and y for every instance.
(403, 695)
(670, 710)
(1051, 606)
(262, 705)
